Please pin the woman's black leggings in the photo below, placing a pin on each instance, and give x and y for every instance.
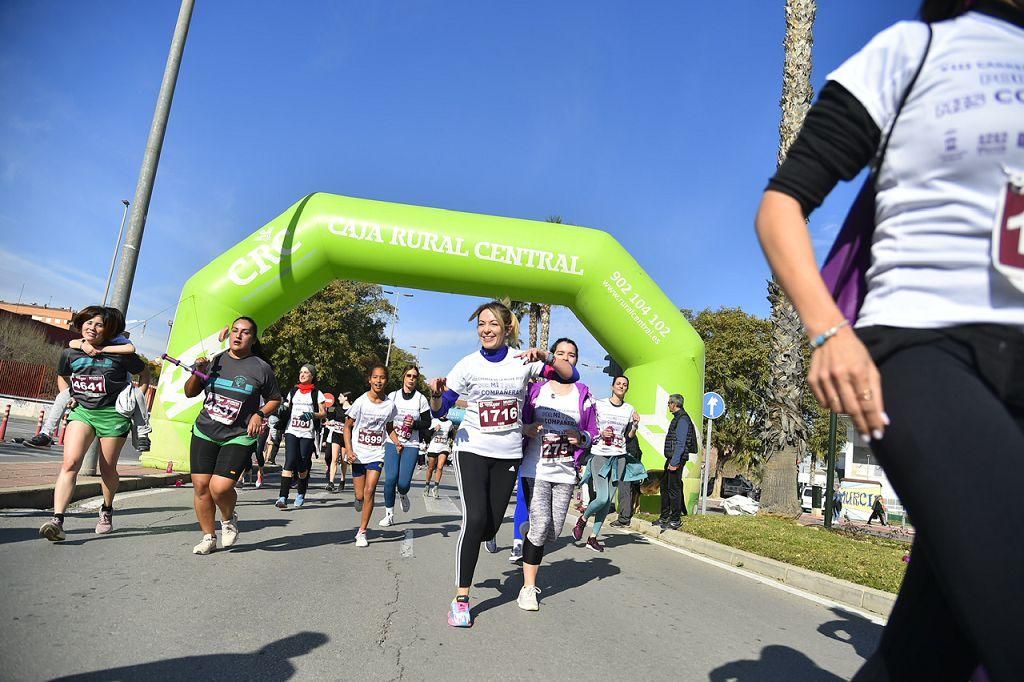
(957, 408)
(485, 486)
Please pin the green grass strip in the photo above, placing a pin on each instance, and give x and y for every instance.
(861, 558)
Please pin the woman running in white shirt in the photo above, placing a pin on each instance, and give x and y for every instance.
(489, 444)
(367, 426)
(412, 416)
(437, 454)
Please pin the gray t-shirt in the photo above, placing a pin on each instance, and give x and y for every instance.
(233, 395)
(96, 381)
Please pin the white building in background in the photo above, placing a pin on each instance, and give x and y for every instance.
(860, 464)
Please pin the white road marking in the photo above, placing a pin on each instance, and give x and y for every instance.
(94, 503)
(442, 505)
(824, 601)
(407, 551)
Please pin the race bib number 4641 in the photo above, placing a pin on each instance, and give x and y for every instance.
(497, 416)
(82, 384)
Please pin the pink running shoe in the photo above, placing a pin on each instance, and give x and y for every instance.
(458, 614)
(106, 523)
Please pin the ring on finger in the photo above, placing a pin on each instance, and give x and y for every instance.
(864, 395)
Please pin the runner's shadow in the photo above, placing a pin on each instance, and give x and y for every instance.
(554, 578)
(777, 664)
(297, 542)
(858, 632)
(271, 664)
(83, 535)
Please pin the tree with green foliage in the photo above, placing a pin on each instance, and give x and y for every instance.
(341, 329)
(736, 365)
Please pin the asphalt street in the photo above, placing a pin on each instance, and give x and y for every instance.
(295, 598)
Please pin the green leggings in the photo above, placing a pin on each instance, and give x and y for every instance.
(603, 487)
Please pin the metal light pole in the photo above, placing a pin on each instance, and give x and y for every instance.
(117, 247)
(394, 322)
(150, 161)
(830, 476)
(144, 189)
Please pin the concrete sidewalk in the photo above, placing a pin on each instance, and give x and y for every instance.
(29, 485)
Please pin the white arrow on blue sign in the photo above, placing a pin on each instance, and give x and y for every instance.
(714, 405)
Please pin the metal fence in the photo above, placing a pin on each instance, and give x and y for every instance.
(21, 379)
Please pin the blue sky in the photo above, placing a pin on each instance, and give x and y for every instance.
(656, 121)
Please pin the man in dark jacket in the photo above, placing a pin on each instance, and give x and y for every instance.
(679, 442)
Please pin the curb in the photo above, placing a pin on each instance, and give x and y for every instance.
(41, 496)
(843, 591)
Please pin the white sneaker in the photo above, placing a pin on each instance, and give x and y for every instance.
(229, 531)
(492, 545)
(207, 545)
(517, 552)
(528, 598)
(389, 519)
(404, 501)
(361, 540)
(437, 488)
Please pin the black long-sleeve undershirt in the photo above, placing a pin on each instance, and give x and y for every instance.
(837, 140)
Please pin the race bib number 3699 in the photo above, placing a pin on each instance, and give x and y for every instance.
(498, 416)
(370, 439)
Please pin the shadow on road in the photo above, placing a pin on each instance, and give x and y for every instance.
(777, 664)
(556, 577)
(858, 632)
(269, 664)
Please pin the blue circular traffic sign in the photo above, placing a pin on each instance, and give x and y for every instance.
(714, 405)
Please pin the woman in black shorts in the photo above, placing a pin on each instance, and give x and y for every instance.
(226, 430)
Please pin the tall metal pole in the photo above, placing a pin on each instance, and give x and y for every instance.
(394, 321)
(117, 247)
(144, 190)
(830, 477)
(147, 176)
(704, 473)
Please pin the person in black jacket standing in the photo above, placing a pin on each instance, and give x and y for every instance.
(679, 441)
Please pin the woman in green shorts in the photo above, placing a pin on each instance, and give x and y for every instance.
(226, 431)
(95, 383)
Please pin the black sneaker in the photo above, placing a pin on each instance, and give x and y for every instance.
(619, 523)
(661, 522)
(672, 525)
(329, 488)
(40, 440)
(341, 486)
(143, 444)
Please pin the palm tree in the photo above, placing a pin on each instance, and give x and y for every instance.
(534, 322)
(785, 433)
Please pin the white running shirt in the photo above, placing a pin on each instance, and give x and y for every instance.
(619, 418)
(302, 403)
(494, 392)
(944, 169)
(557, 413)
(442, 434)
(369, 432)
(414, 407)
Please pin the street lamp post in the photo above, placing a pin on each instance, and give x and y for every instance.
(394, 322)
(117, 247)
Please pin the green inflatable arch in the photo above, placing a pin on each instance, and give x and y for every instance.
(325, 237)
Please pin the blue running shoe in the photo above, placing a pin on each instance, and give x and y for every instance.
(299, 500)
(458, 614)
